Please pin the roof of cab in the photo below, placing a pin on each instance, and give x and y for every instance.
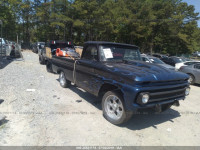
(111, 43)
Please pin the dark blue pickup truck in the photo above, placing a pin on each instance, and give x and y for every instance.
(116, 73)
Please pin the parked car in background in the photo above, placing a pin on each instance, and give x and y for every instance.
(184, 62)
(8, 47)
(3, 41)
(196, 54)
(40, 45)
(160, 56)
(3, 46)
(36, 47)
(13, 48)
(177, 62)
(155, 60)
(193, 71)
(186, 59)
(188, 63)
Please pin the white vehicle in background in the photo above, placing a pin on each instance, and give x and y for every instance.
(188, 63)
(6, 46)
(185, 62)
(2, 46)
(178, 62)
(196, 54)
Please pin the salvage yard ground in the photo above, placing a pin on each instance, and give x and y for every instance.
(40, 112)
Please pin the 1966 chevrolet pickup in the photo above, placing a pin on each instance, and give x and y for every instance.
(114, 72)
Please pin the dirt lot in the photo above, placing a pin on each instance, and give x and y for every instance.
(51, 115)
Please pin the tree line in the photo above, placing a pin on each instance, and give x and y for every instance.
(164, 26)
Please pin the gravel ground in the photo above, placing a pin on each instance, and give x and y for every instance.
(49, 115)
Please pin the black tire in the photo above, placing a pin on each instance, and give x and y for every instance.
(49, 67)
(63, 81)
(191, 79)
(41, 60)
(125, 115)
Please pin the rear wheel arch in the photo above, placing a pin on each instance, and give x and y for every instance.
(59, 71)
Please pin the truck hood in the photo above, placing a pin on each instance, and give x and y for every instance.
(144, 72)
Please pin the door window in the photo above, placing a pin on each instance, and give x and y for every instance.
(197, 67)
(90, 53)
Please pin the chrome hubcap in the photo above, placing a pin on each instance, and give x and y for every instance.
(62, 78)
(113, 107)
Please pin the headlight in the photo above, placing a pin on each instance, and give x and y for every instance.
(143, 98)
(187, 91)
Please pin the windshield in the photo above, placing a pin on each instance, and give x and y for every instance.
(178, 60)
(41, 45)
(118, 53)
(156, 61)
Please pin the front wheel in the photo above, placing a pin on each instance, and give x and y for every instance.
(113, 108)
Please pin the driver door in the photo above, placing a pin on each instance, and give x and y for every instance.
(85, 72)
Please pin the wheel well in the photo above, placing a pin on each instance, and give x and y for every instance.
(59, 71)
(190, 74)
(108, 87)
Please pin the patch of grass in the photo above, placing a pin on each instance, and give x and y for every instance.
(2, 126)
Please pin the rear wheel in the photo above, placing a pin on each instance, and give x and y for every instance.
(63, 81)
(113, 108)
(191, 79)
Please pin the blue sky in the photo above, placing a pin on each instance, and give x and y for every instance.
(196, 3)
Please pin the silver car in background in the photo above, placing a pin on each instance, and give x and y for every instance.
(193, 71)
